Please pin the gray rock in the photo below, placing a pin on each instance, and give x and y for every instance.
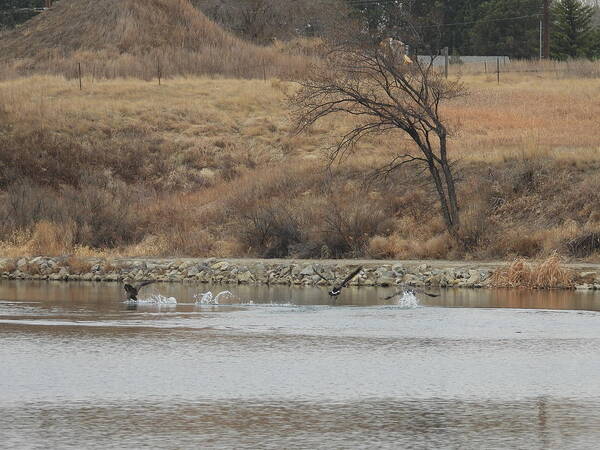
(474, 277)
(386, 281)
(399, 268)
(308, 270)
(410, 279)
(245, 277)
(223, 265)
(434, 280)
(385, 277)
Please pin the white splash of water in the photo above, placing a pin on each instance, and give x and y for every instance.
(408, 300)
(207, 298)
(156, 299)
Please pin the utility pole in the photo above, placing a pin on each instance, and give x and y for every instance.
(541, 40)
(546, 27)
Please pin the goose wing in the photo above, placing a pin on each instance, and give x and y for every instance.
(428, 294)
(131, 291)
(406, 288)
(320, 275)
(350, 277)
(143, 283)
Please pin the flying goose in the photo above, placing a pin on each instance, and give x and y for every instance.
(132, 291)
(337, 288)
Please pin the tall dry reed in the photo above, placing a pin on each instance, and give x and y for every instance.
(549, 274)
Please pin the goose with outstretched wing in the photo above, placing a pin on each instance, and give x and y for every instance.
(337, 288)
(132, 291)
(410, 289)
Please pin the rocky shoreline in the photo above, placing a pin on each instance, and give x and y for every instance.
(265, 272)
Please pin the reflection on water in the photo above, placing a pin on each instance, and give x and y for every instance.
(285, 368)
(103, 295)
(432, 423)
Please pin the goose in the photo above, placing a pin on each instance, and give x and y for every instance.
(132, 291)
(337, 288)
(412, 290)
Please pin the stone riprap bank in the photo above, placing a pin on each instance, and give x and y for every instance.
(274, 272)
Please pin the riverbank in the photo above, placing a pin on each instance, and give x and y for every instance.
(273, 271)
(227, 175)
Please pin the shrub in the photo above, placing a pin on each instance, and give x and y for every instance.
(270, 231)
(78, 265)
(349, 225)
(8, 266)
(547, 275)
(584, 245)
(50, 239)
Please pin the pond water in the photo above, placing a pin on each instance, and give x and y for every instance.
(286, 368)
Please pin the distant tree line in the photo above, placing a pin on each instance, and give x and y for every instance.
(487, 27)
(466, 27)
(262, 21)
(15, 12)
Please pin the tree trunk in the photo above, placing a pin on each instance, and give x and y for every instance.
(451, 191)
(447, 195)
(439, 186)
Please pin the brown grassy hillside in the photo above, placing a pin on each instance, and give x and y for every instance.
(211, 167)
(130, 37)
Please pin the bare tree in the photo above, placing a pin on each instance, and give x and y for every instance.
(386, 95)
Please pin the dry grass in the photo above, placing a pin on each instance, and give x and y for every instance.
(532, 68)
(197, 131)
(205, 167)
(8, 266)
(527, 118)
(549, 274)
(78, 265)
(50, 239)
(119, 38)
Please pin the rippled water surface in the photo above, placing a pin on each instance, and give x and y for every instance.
(287, 368)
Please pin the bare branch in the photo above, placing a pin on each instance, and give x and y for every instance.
(383, 94)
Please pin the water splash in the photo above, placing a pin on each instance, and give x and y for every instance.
(153, 300)
(207, 298)
(408, 300)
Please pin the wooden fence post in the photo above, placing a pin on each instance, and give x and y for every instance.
(158, 70)
(498, 69)
(79, 73)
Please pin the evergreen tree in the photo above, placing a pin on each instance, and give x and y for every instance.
(495, 34)
(572, 33)
(594, 51)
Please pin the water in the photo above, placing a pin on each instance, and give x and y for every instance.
(286, 368)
